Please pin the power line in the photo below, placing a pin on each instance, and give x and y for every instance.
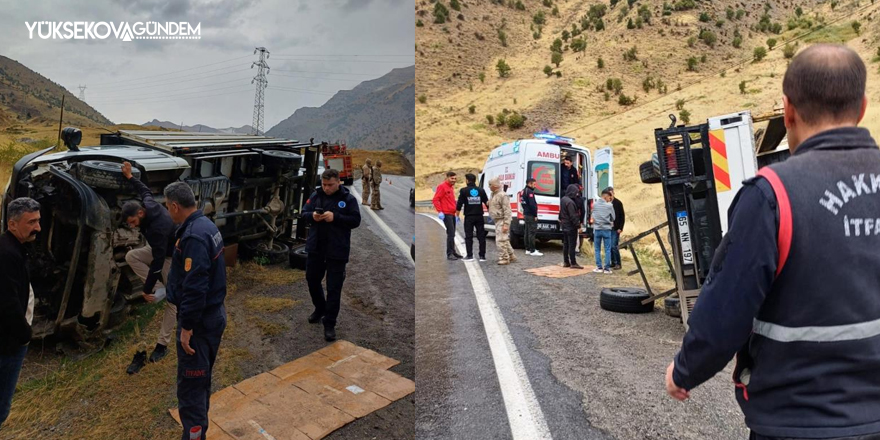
(372, 75)
(129, 103)
(163, 81)
(287, 89)
(338, 61)
(176, 71)
(744, 61)
(134, 100)
(150, 94)
(315, 78)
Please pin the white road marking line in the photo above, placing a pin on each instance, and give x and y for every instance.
(404, 249)
(523, 410)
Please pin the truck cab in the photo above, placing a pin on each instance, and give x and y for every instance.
(541, 158)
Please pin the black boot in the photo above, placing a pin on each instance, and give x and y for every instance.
(158, 353)
(315, 317)
(329, 334)
(137, 363)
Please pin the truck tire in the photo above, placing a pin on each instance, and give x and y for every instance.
(517, 241)
(298, 257)
(104, 175)
(348, 182)
(625, 300)
(283, 160)
(277, 254)
(672, 306)
(649, 173)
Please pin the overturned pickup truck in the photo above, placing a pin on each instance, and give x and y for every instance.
(252, 187)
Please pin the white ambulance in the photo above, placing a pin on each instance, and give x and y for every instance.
(541, 158)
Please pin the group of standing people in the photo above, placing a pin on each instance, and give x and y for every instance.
(607, 219)
(371, 179)
(183, 261)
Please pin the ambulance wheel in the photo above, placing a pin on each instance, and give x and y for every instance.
(625, 300)
(298, 256)
(649, 173)
(517, 241)
(672, 306)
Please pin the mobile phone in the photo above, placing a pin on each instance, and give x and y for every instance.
(319, 210)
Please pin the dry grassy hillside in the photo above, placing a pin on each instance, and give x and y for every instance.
(456, 71)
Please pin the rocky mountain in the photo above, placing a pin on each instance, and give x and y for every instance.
(244, 129)
(26, 97)
(375, 115)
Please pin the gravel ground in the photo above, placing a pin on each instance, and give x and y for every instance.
(617, 362)
(377, 313)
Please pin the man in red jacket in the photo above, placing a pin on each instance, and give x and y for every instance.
(444, 203)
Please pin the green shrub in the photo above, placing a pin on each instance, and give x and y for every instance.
(539, 18)
(679, 104)
(548, 70)
(789, 50)
(490, 119)
(704, 17)
(692, 64)
(472, 109)
(759, 53)
(625, 100)
(600, 63)
(423, 99)
(578, 45)
(441, 14)
(771, 43)
(684, 116)
(503, 68)
(556, 58)
(515, 120)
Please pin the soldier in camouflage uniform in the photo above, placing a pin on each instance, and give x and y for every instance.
(377, 180)
(499, 210)
(366, 180)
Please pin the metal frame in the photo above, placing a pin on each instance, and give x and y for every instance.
(629, 244)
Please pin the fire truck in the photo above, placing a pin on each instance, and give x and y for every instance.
(336, 156)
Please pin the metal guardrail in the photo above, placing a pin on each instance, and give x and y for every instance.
(424, 204)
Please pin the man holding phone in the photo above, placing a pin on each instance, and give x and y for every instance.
(331, 213)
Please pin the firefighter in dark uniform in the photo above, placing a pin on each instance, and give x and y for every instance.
(793, 287)
(197, 286)
(472, 200)
(331, 213)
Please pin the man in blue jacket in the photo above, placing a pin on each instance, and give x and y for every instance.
(331, 213)
(197, 286)
(793, 286)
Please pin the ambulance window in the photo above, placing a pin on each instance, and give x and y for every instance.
(546, 177)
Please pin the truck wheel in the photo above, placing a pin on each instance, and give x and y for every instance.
(348, 182)
(298, 256)
(625, 300)
(279, 159)
(649, 173)
(517, 241)
(277, 254)
(104, 175)
(672, 305)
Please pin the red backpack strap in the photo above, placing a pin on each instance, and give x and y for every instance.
(783, 238)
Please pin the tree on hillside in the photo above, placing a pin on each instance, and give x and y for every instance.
(556, 58)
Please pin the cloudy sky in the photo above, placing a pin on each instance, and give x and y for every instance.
(317, 47)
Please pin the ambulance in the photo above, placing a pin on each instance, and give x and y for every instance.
(541, 158)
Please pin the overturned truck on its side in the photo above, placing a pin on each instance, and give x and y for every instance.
(252, 187)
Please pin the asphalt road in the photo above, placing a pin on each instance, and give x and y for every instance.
(395, 199)
(595, 374)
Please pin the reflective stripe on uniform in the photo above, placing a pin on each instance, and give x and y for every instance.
(832, 333)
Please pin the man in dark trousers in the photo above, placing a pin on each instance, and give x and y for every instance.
(152, 262)
(529, 208)
(197, 286)
(331, 213)
(793, 287)
(16, 296)
(472, 199)
(444, 203)
(570, 224)
(569, 173)
(619, 222)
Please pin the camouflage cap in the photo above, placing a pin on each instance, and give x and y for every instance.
(378, 163)
(369, 162)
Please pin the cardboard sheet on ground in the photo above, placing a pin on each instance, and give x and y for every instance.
(559, 272)
(308, 398)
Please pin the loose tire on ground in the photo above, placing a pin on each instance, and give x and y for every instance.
(298, 256)
(104, 175)
(649, 173)
(625, 300)
(672, 306)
